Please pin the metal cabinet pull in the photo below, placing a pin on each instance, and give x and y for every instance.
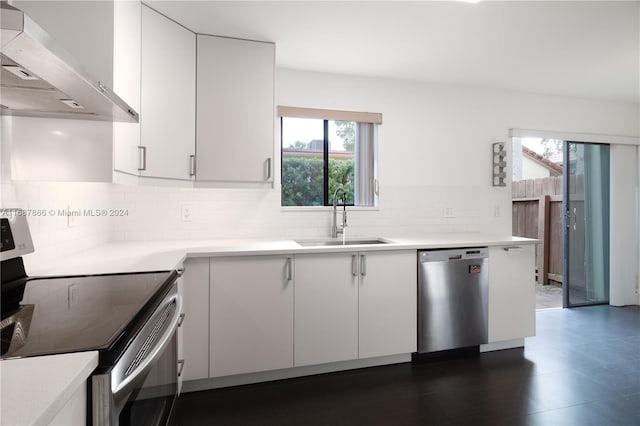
(354, 265)
(192, 165)
(180, 367)
(268, 165)
(363, 265)
(181, 320)
(142, 160)
(289, 267)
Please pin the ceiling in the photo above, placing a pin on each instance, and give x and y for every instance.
(588, 49)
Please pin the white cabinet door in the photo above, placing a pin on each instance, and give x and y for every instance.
(326, 308)
(126, 82)
(167, 116)
(388, 303)
(235, 112)
(180, 334)
(195, 326)
(251, 314)
(512, 298)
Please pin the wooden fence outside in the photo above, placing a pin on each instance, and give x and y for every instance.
(537, 213)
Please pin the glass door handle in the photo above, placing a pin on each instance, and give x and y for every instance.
(567, 216)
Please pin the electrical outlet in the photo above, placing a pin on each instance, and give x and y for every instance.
(448, 212)
(186, 213)
(496, 210)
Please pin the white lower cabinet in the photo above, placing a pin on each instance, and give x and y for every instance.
(326, 308)
(246, 314)
(195, 326)
(388, 303)
(74, 412)
(180, 332)
(512, 300)
(354, 305)
(251, 314)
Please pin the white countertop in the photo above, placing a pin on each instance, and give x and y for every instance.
(35, 389)
(165, 255)
(41, 385)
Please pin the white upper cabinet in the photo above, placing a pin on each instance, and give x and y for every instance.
(167, 116)
(126, 82)
(235, 110)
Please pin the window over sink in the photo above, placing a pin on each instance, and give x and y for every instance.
(325, 149)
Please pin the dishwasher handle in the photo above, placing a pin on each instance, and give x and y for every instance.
(453, 254)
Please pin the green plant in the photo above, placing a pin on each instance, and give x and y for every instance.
(303, 180)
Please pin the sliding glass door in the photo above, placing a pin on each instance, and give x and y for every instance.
(586, 224)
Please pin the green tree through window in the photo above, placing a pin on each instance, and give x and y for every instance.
(318, 156)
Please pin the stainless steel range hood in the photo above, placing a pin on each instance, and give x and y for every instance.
(41, 79)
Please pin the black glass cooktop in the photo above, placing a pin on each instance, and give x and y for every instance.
(72, 314)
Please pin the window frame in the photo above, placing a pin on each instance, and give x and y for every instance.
(326, 116)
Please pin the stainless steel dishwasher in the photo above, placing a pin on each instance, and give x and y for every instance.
(453, 288)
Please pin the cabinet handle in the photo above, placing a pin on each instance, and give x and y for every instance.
(512, 250)
(142, 163)
(180, 367)
(268, 165)
(289, 269)
(181, 320)
(354, 265)
(192, 165)
(363, 265)
(180, 270)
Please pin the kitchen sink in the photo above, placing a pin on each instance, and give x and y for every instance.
(339, 242)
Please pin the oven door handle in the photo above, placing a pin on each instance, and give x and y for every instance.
(150, 357)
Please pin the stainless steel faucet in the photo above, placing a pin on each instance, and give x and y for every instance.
(335, 229)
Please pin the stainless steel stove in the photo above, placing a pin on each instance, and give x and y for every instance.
(130, 319)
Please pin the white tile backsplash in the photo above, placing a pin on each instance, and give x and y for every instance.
(46, 204)
(155, 213)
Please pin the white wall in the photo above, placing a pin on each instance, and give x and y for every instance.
(434, 149)
(435, 152)
(83, 28)
(623, 243)
(53, 236)
(533, 170)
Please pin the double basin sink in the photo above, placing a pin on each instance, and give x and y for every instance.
(341, 242)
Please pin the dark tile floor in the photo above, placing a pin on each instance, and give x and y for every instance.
(582, 368)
